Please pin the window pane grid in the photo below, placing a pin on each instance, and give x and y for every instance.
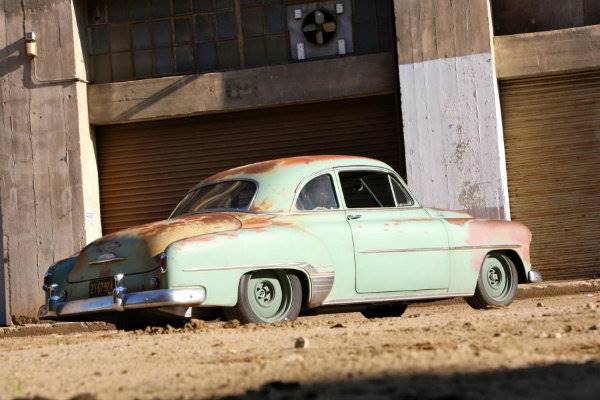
(137, 39)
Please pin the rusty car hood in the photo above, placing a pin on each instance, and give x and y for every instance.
(133, 250)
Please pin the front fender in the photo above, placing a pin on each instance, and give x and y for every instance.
(218, 261)
(59, 271)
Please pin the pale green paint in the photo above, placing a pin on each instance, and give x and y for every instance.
(405, 245)
(422, 254)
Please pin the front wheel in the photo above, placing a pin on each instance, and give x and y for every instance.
(267, 296)
(496, 284)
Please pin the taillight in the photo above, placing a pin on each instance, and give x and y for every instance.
(161, 260)
(47, 281)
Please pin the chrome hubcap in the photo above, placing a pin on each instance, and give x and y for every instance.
(265, 292)
(494, 276)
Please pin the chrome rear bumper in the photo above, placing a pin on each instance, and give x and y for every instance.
(121, 301)
(534, 276)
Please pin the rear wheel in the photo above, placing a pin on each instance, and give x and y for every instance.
(267, 296)
(384, 310)
(496, 284)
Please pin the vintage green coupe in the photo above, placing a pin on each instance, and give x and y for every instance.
(268, 240)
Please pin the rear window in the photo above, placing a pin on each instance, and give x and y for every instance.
(234, 195)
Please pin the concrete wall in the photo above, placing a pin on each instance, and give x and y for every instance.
(544, 53)
(43, 129)
(3, 306)
(271, 86)
(450, 106)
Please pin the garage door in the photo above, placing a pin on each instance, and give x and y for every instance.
(552, 136)
(146, 168)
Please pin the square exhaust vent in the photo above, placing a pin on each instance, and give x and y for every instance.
(322, 29)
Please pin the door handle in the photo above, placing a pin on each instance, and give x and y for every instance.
(353, 216)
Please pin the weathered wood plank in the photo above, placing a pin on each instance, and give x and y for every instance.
(552, 52)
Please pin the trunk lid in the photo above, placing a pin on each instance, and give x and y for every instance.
(133, 250)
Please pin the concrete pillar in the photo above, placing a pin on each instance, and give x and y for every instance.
(45, 147)
(4, 320)
(450, 106)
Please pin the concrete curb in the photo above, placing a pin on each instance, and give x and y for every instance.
(558, 288)
(59, 328)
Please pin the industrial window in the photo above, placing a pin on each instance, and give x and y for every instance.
(318, 194)
(373, 23)
(137, 39)
(265, 32)
(525, 16)
(366, 189)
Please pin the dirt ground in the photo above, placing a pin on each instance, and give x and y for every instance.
(539, 348)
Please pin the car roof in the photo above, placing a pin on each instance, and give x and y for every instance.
(278, 179)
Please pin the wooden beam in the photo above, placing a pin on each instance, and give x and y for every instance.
(544, 53)
(278, 85)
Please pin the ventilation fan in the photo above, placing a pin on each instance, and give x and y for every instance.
(321, 29)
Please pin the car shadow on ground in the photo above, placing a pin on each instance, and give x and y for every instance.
(558, 381)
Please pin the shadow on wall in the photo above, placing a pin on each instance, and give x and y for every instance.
(155, 97)
(11, 57)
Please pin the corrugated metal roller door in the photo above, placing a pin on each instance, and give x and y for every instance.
(146, 168)
(552, 136)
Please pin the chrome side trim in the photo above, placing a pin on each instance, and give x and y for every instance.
(388, 299)
(112, 260)
(124, 301)
(320, 282)
(304, 266)
(534, 276)
(321, 285)
(457, 248)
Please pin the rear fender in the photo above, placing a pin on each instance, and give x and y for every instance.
(218, 261)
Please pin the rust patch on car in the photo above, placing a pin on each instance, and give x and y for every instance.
(498, 232)
(268, 166)
(292, 161)
(150, 240)
(458, 221)
(253, 221)
(263, 206)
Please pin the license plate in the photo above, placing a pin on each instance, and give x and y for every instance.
(102, 287)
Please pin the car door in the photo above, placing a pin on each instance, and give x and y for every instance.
(398, 246)
(317, 211)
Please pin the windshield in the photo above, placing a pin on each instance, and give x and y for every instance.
(233, 195)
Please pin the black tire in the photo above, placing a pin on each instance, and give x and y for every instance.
(384, 310)
(485, 295)
(290, 305)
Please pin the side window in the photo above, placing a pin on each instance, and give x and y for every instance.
(402, 196)
(318, 194)
(366, 189)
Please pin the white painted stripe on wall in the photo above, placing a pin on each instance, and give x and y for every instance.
(453, 134)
